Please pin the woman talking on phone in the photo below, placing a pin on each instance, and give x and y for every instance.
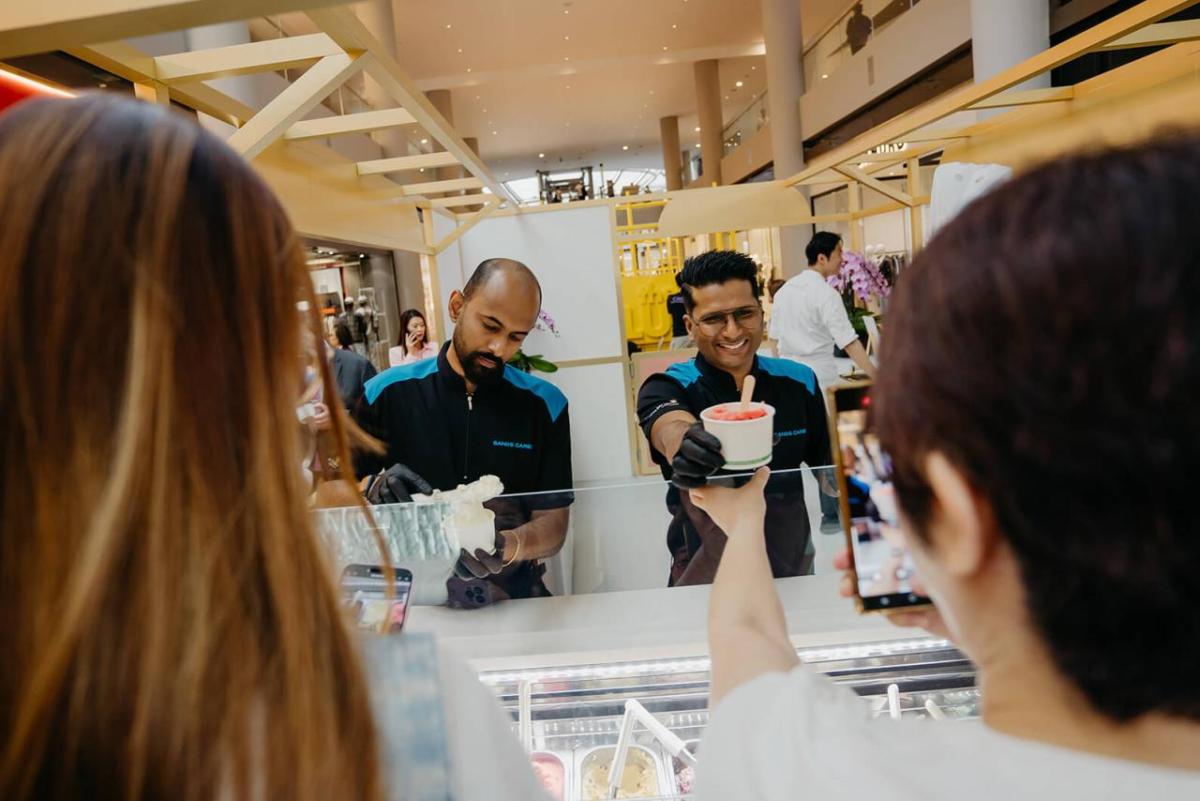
(171, 627)
(414, 344)
(1003, 375)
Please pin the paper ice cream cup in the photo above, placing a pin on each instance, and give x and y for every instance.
(746, 444)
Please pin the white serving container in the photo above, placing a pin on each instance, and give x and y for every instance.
(746, 444)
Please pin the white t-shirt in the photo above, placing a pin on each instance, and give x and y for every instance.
(808, 320)
(783, 736)
(486, 760)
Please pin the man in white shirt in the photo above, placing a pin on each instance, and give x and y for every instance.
(809, 319)
(1078, 605)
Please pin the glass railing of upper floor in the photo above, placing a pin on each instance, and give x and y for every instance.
(746, 124)
(848, 34)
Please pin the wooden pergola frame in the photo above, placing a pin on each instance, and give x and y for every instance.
(343, 48)
(915, 135)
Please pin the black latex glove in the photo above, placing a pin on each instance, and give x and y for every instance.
(397, 484)
(481, 564)
(699, 456)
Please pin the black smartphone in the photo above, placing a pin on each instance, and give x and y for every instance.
(365, 593)
(883, 567)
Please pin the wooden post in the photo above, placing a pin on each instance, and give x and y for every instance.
(916, 213)
(856, 231)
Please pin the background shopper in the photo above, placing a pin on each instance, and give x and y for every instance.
(171, 625)
(808, 317)
(413, 344)
(351, 370)
(1079, 611)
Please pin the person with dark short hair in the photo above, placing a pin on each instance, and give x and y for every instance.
(351, 370)
(466, 414)
(1036, 396)
(725, 319)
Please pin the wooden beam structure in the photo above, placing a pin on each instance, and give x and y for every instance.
(916, 214)
(459, 200)
(1164, 33)
(40, 26)
(301, 97)
(348, 31)
(879, 186)
(402, 163)
(454, 185)
(1027, 97)
(245, 59)
(466, 225)
(361, 122)
(901, 128)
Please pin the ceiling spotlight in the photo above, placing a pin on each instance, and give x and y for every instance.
(568, 11)
(697, 129)
(468, 69)
(541, 155)
(726, 97)
(424, 141)
(825, 76)
(664, 48)
(651, 91)
(697, 145)
(737, 85)
(624, 147)
(674, 26)
(476, 97)
(566, 58)
(568, 86)
(753, 67)
(460, 49)
(493, 133)
(422, 169)
(447, 26)
(566, 38)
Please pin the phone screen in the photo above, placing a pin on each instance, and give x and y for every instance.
(883, 567)
(365, 594)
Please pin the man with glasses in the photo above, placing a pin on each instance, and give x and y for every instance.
(725, 319)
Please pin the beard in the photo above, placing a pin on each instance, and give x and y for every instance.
(475, 364)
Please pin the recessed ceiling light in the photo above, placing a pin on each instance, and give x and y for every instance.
(697, 145)
(664, 47)
(568, 11)
(737, 85)
(674, 26)
(753, 67)
(726, 97)
(651, 91)
(447, 26)
(566, 38)
(485, 111)
(460, 49)
(541, 155)
(825, 76)
(624, 147)
(568, 124)
(468, 69)
(426, 141)
(422, 169)
(476, 97)
(566, 58)
(697, 129)
(568, 86)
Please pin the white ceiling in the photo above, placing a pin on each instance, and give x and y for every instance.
(582, 80)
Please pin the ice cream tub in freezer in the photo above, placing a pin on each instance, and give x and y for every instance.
(554, 771)
(645, 774)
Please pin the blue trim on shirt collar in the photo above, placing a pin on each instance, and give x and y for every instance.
(686, 373)
(786, 368)
(393, 375)
(551, 395)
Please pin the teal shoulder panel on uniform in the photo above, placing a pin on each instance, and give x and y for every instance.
(686, 373)
(786, 368)
(394, 375)
(551, 395)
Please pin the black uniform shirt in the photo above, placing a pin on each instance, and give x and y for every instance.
(802, 431)
(517, 429)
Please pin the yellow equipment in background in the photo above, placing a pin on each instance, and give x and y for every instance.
(648, 267)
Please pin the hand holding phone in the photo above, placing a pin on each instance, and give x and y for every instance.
(884, 575)
(365, 593)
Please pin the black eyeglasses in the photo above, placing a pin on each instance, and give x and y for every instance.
(748, 318)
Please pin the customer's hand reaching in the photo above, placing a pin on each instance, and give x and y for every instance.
(919, 617)
(734, 510)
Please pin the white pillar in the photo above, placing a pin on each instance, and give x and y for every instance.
(785, 84)
(1005, 33)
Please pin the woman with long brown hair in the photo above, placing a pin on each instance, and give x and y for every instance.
(171, 626)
